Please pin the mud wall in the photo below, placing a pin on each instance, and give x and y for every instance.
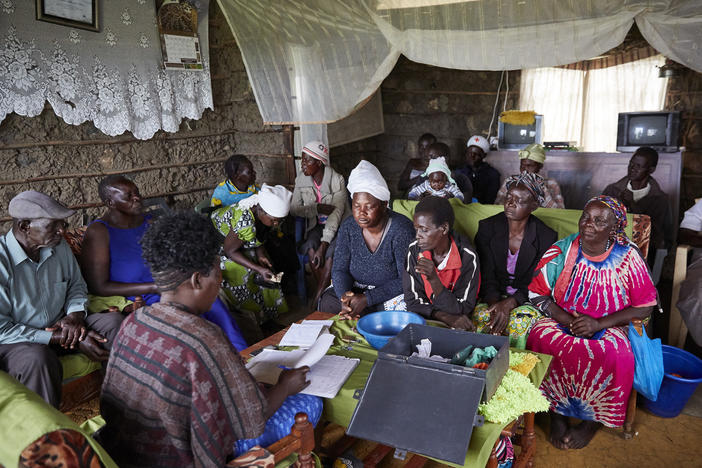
(46, 154)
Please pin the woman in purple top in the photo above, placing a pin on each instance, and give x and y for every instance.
(112, 261)
(510, 245)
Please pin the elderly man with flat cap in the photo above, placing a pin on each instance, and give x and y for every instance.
(43, 299)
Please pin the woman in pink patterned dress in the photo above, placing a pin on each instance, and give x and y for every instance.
(588, 285)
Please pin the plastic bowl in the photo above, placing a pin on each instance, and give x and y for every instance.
(377, 328)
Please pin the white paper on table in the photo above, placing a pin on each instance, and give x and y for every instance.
(326, 323)
(327, 372)
(266, 367)
(316, 352)
(302, 334)
(329, 375)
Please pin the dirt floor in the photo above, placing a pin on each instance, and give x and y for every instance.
(660, 442)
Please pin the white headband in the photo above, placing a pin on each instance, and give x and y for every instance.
(367, 178)
(273, 199)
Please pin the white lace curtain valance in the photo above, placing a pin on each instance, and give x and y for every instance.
(315, 61)
(112, 78)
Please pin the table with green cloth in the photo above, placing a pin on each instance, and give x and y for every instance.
(340, 409)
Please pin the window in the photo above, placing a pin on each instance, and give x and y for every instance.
(582, 105)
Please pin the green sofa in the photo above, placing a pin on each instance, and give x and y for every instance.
(25, 418)
(564, 222)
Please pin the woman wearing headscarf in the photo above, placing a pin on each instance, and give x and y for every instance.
(587, 286)
(510, 244)
(442, 272)
(370, 250)
(249, 282)
(531, 159)
(320, 197)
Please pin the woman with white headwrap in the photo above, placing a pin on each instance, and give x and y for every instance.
(370, 250)
(247, 267)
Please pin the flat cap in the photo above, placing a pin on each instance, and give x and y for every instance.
(33, 205)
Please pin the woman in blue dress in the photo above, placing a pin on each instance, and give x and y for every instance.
(111, 257)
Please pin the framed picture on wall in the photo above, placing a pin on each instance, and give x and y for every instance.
(74, 13)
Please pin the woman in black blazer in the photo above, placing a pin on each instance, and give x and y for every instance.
(510, 245)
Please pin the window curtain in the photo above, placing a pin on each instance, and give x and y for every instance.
(113, 78)
(582, 105)
(557, 94)
(315, 61)
(631, 87)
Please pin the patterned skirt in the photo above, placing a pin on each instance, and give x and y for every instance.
(242, 293)
(278, 425)
(521, 319)
(589, 379)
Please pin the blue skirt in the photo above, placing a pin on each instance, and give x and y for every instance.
(279, 425)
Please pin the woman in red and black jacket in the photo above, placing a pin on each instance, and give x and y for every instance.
(442, 272)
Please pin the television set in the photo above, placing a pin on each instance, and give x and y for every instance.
(516, 137)
(659, 130)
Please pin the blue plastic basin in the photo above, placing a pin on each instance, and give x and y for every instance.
(377, 328)
(675, 391)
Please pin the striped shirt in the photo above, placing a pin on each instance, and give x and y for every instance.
(176, 393)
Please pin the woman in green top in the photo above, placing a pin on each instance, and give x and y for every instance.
(247, 268)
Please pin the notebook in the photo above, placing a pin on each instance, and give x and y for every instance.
(327, 375)
(305, 334)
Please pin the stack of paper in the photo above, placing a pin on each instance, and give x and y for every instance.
(327, 373)
(306, 333)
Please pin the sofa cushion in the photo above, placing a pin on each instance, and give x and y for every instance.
(25, 417)
(77, 365)
(59, 449)
(564, 222)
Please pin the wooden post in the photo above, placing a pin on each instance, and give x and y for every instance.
(304, 430)
(677, 330)
(529, 438)
(289, 144)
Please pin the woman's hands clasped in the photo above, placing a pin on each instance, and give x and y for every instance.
(584, 326)
(352, 305)
(499, 315)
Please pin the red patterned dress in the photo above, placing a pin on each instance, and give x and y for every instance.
(590, 378)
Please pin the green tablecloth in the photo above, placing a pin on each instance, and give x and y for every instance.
(340, 409)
